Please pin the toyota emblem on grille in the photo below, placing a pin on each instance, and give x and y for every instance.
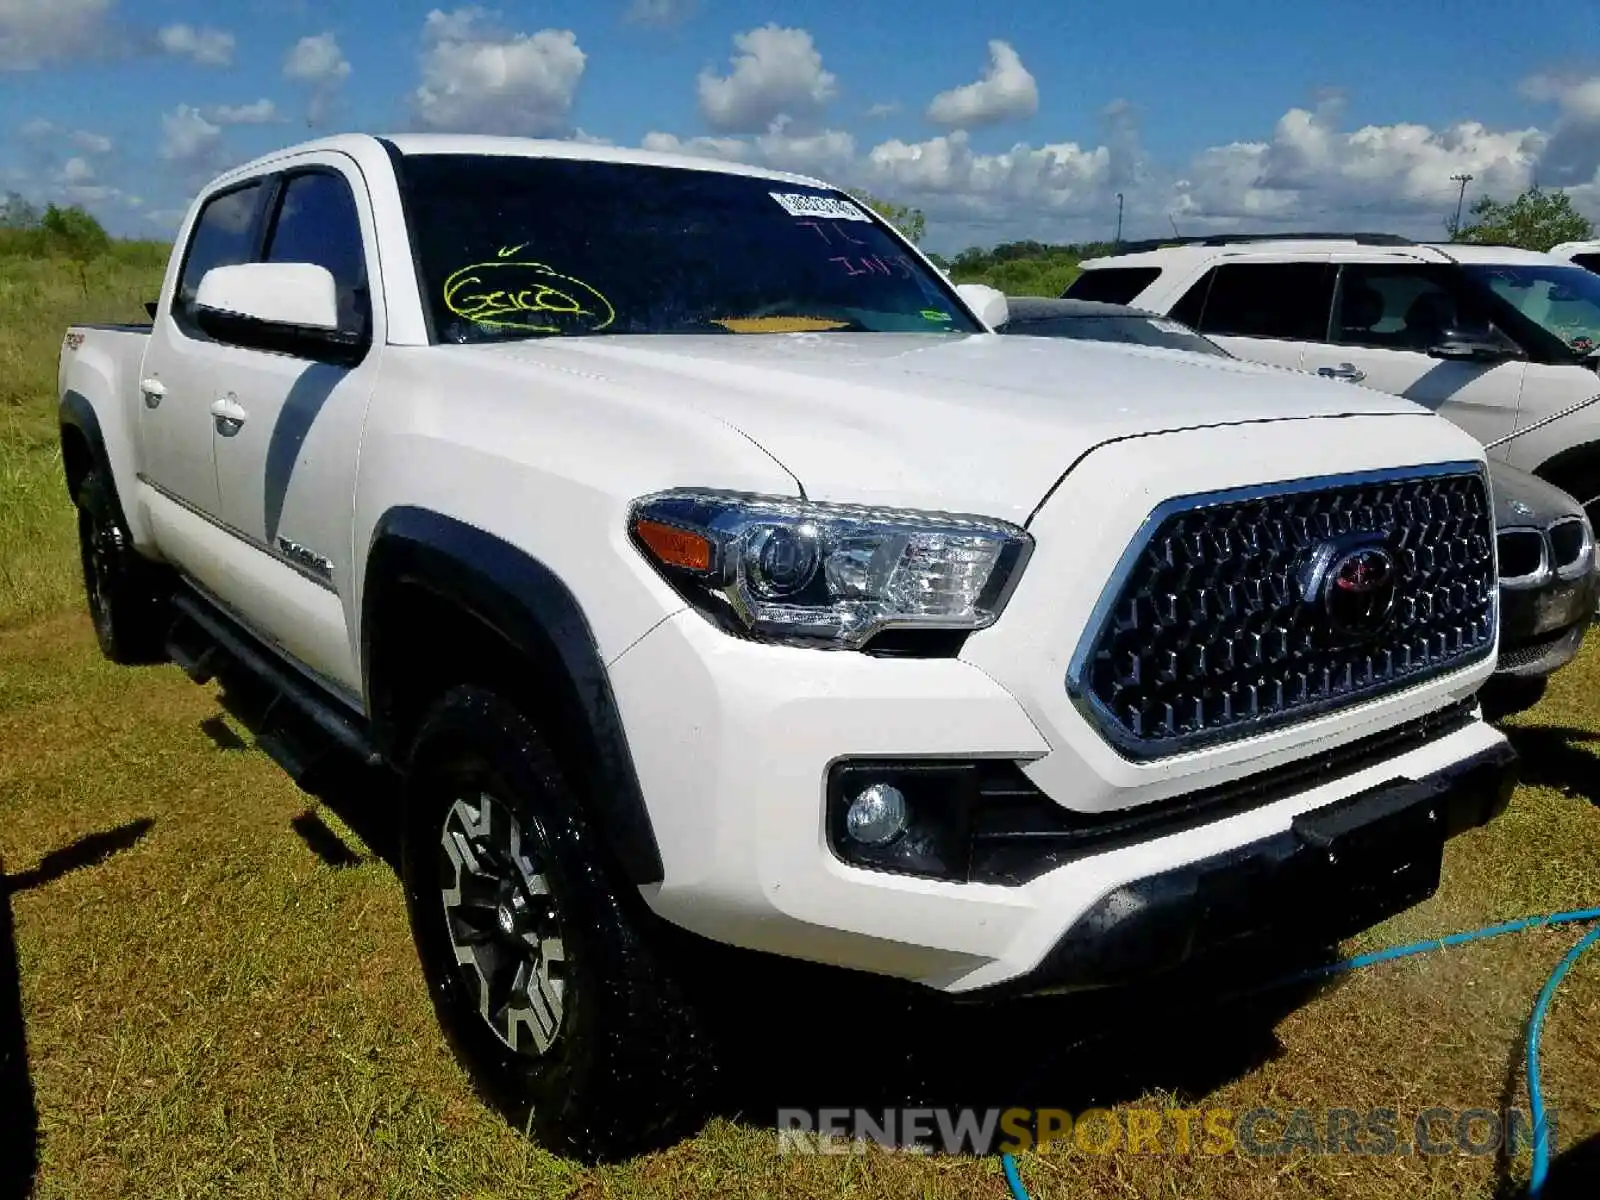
(1359, 590)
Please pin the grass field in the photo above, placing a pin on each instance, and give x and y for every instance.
(207, 987)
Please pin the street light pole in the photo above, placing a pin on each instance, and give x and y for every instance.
(1119, 218)
(1463, 179)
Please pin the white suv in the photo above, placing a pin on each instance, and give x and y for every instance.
(1492, 338)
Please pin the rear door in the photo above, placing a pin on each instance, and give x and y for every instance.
(182, 364)
(1388, 310)
(1260, 307)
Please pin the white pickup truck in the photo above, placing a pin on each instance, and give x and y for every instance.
(702, 561)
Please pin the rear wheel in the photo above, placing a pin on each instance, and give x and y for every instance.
(539, 958)
(127, 603)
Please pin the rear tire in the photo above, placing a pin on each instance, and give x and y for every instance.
(538, 956)
(129, 607)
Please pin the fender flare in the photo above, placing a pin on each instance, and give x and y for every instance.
(524, 602)
(76, 412)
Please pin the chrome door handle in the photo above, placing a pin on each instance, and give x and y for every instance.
(1349, 372)
(153, 390)
(229, 415)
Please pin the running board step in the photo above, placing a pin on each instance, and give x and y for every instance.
(217, 636)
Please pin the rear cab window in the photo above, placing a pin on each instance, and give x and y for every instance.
(1111, 285)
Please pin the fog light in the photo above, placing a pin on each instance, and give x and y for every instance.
(876, 816)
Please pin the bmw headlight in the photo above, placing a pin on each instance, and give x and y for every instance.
(826, 574)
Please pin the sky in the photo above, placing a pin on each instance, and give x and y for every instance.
(999, 121)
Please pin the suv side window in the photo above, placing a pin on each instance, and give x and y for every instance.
(1111, 285)
(1589, 262)
(1400, 306)
(317, 222)
(1284, 301)
(224, 236)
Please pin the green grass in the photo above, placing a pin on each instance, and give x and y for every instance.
(212, 1009)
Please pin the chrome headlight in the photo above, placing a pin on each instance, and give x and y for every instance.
(827, 574)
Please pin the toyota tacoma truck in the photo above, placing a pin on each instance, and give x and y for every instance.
(704, 564)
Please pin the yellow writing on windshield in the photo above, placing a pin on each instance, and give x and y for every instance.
(779, 324)
(510, 293)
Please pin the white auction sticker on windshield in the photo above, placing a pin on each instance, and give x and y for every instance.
(798, 204)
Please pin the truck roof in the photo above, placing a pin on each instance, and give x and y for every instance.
(450, 143)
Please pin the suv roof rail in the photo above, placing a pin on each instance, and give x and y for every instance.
(1229, 239)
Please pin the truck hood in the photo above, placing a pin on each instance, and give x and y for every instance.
(984, 424)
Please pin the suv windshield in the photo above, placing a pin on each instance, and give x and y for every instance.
(518, 247)
(1563, 301)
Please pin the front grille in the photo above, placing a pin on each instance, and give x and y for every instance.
(1225, 618)
(1569, 543)
(1521, 553)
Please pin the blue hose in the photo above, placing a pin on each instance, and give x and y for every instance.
(1541, 1138)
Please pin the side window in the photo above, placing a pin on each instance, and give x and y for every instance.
(1399, 306)
(1112, 285)
(1284, 301)
(1189, 309)
(1589, 262)
(224, 236)
(317, 223)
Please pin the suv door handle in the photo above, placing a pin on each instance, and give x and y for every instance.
(1349, 372)
(153, 390)
(229, 415)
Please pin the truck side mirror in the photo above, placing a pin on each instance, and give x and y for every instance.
(989, 303)
(292, 308)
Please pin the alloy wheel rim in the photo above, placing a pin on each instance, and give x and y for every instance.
(503, 925)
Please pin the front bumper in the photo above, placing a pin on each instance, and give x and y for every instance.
(1335, 871)
(1542, 628)
(735, 742)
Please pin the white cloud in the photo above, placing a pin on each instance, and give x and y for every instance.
(317, 61)
(76, 171)
(258, 112)
(729, 149)
(1006, 91)
(777, 72)
(660, 12)
(1311, 170)
(206, 46)
(878, 111)
(46, 135)
(91, 143)
(318, 64)
(478, 78)
(1573, 153)
(190, 141)
(37, 33)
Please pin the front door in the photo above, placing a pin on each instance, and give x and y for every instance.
(1386, 315)
(287, 447)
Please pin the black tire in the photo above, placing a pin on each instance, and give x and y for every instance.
(627, 1066)
(128, 603)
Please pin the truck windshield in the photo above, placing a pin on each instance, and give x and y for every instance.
(1563, 301)
(521, 247)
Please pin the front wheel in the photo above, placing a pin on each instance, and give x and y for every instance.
(538, 959)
